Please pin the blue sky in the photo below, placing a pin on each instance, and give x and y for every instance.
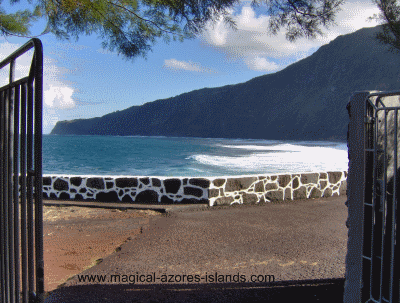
(81, 80)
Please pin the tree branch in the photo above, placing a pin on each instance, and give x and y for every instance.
(16, 35)
(104, 17)
(301, 13)
(141, 18)
(390, 24)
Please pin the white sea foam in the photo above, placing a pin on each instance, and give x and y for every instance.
(282, 157)
(279, 147)
(149, 156)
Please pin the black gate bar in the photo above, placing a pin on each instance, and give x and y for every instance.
(21, 217)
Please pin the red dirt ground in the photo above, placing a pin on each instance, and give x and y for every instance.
(75, 237)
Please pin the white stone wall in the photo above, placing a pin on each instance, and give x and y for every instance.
(213, 191)
(254, 189)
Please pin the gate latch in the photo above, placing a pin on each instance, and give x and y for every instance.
(369, 120)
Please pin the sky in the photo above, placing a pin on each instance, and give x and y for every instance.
(82, 80)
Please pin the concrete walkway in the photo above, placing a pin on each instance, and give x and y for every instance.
(301, 245)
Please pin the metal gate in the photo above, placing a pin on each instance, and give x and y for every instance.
(21, 219)
(380, 252)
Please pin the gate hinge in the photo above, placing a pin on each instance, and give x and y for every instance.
(369, 120)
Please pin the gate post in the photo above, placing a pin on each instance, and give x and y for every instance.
(355, 196)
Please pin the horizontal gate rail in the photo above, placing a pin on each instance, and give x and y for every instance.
(21, 218)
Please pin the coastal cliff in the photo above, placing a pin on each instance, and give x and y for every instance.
(305, 101)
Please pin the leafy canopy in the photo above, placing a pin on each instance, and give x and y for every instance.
(390, 15)
(131, 27)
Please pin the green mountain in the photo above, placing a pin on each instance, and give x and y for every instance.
(305, 101)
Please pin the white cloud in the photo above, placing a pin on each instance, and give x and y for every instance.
(249, 22)
(253, 44)
(59, 97)
(261, 64)
(351, 18)
(183, 65)
(57, 94)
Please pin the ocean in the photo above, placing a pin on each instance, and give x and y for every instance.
(187, 157)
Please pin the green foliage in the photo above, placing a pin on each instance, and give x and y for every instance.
(126, 26)
(302, 18)
(390, 15)
(17, 23)
(131, 27)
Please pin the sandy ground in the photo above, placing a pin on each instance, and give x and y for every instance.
(300, 243)
(75, 238)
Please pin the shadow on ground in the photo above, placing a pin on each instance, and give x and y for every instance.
(322, 290)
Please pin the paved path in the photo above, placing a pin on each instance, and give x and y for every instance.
(298, 243)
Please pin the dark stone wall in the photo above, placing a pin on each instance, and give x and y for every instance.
(126, 189)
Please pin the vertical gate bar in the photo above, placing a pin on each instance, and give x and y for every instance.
(38, 56)
(9, 184)
(5, 201)
(31, 270)
(366, 145)
(2, 226)
(24, 237)
(375, 199)
(377, 245)
(394, 206)
(373, 204)
(396, 266)
(369, 194)
(383, 204)
(382, 207)
(1, 202)
(16, 194)
(395, 233)
(10, 181)
(388, 214)
(372, 221)
(372, 213)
